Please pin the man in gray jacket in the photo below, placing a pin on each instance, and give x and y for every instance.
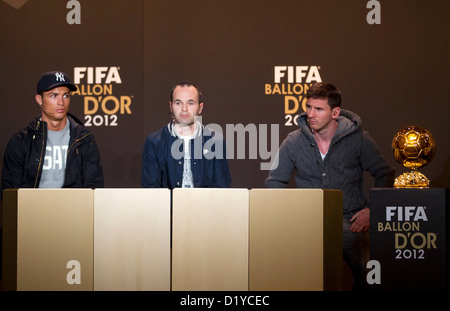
(330, 150)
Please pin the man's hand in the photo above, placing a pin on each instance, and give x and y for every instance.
(360, 221)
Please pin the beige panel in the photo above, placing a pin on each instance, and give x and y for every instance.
(54, 239)
(287, 239)
(132, 239)
(210, 240)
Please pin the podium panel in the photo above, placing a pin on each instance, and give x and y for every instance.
(132, 239)
(408, 238)
(48, 239)
(210, 240)
(295, 240)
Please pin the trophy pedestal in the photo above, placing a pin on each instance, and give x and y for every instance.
(413, 179)
(408, 237)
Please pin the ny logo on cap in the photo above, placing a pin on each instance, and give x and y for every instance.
(59, 76)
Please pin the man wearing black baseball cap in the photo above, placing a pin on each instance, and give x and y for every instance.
(55, 150)
(52, 79)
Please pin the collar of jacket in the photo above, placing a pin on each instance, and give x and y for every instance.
(199, 128)
(37, 126)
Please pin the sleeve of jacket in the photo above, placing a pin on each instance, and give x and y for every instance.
(375, 163)
(222, 174)
(151, 173)
(92, 167)
(282, 168)
(13, 164)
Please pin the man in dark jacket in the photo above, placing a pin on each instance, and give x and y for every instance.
(55, 150)
(331, 150)
(184, 153)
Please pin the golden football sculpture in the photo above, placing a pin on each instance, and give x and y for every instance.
(413, 147)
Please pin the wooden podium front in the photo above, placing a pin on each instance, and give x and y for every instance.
(221, 239)
(210, 240)
(48, 239)
(132, 239)
(295, 240)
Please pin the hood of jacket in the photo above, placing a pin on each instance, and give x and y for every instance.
(348, 123)
(38, 126)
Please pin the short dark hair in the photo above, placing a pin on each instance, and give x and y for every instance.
(187, 83)
(323, 90)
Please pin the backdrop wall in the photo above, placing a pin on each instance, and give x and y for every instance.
(125, 56)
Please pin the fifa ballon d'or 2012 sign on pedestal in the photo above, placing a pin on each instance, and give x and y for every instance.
(413, 147)
(410, 221)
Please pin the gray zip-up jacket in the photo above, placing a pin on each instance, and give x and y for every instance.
(352, 151)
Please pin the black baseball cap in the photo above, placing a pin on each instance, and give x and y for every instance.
(52, 79)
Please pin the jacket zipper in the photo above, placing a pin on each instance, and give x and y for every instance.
(40, 158)
(76, 142)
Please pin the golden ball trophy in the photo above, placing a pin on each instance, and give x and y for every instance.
(413, 147)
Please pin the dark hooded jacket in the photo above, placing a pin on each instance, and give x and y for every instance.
(24, 157)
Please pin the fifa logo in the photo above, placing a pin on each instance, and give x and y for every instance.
(102, 107)
(293, 82)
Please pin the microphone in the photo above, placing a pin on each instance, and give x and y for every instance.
(48, 111)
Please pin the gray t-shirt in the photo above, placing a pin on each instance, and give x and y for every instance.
(54, 168)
